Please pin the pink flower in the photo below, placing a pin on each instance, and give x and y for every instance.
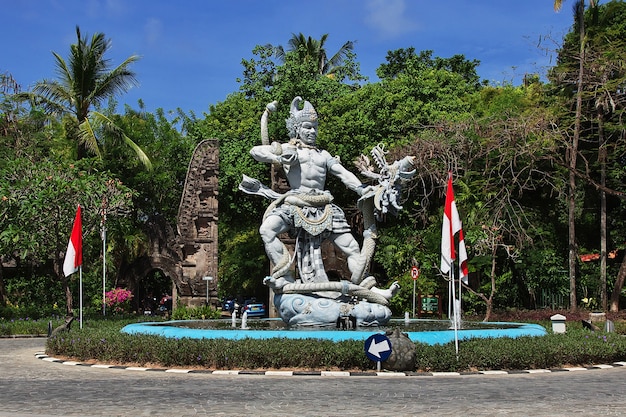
(118, 298)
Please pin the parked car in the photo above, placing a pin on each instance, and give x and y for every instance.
(230, 305)
(253, 308)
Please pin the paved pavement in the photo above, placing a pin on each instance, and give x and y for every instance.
(34, 387)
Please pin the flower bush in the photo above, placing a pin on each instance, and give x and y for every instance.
(118, 300)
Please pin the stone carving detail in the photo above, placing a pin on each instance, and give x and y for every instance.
(197, 222)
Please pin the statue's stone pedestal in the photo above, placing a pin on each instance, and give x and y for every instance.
(312, 310)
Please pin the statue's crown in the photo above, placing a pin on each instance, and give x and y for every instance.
(297, 116)
(307, 114)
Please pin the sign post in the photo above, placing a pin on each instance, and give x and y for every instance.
(207, 279)
(415, 273)
(378, 348)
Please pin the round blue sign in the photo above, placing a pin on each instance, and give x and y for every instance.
(378, 347)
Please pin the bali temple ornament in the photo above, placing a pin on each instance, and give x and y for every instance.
(308, 214)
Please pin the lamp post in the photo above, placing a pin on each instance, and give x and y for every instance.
(207, 279)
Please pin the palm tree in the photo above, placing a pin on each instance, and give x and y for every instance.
(84, 82)
(309, 49)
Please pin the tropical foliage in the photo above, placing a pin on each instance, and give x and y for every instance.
(85, 81)
(538, 168)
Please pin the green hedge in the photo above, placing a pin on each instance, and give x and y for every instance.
(105, 343)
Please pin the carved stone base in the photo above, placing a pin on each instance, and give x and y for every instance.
(311, 310)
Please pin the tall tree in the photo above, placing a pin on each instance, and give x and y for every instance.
(85, 81)
(313, 50)
(602, 101)
(572, 151)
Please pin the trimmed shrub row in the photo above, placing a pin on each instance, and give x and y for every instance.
(577, 347)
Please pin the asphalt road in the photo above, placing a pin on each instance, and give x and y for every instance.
(34, 387)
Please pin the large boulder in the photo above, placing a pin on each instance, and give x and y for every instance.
(403, 352)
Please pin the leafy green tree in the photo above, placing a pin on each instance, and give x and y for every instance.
(26, 131)
(37, 208)
(403, 61)
(421, 94)
(572, 148)
(499, 162)
(84, 82)
(158, 192)
(258, 73)
(604, 102)
(303, 63)
(590, 73)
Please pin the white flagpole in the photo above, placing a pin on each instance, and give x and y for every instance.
(460, 288)
(414, 285)
(104, 267)
(80, 295)
(104, 253)
(450, 295)
(456, 313)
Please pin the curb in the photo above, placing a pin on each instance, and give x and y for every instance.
(46, 358)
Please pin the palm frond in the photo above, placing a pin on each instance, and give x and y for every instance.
(115, 132)
(140, 153)
(337, 60)
(119, 80)
(87, 136)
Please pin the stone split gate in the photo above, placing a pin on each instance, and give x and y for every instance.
(188, 254)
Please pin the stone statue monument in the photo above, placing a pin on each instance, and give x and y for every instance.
(308, 214)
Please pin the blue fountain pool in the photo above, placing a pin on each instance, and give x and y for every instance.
(431, 332)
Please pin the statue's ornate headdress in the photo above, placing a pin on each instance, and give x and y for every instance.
(297, 116)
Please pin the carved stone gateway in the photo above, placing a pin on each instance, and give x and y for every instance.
(189, 253)
(197, 226)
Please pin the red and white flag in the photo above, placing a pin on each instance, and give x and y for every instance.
(74, 253)
(451, 226)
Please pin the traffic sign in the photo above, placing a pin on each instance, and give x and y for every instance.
(378, 347)
(415, 272)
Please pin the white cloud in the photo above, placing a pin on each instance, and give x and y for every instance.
(389, 17)
(116, 7)
(152, 30)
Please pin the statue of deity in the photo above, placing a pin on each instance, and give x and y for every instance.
(308, 214)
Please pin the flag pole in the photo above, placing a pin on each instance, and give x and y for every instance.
(456, 313)
(460, 288)
(104, 269)
(450, 295)
(80, 295)
(104, 259)
(74, 258)
(451, 226)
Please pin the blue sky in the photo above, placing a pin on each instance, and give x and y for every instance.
(192, 49)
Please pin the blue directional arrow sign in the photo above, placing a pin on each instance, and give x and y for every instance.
(378, 347)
